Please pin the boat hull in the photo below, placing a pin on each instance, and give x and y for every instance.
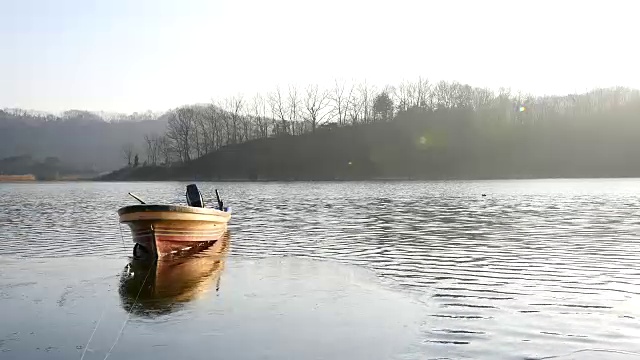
(168, 230)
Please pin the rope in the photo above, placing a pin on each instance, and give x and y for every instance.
(128, 314)
(124, 247)
(94, 331)
(613, 351)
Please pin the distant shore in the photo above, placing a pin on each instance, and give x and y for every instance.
(153, 174)
(24, 179)
(33, 178)
(17, 178)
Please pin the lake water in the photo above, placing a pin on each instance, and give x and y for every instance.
(374, 270)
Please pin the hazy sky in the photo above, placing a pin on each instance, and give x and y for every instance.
(128, 55)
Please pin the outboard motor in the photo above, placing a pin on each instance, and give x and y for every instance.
(194, 198)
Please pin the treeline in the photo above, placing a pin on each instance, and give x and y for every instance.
(196, 130)
(10, 116)
(416, 129)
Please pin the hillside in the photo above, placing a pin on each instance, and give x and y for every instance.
(430, 144)
(416, 130)
(51, 168)
(78, 138)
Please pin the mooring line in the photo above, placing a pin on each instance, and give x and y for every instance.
(129, 313)
(84, 351)
(613, 351)
(124, 247)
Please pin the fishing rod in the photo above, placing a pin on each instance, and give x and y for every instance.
(137, 198)
(220, 203)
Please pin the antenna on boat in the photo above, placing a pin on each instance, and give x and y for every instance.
(220, 204)
(137, 198)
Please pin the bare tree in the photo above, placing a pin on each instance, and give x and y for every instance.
(314, 104)
(153, 148)
(234, 107)
(259, 116)
(463, 95)
(225, 124)
(214, 123)
(180, 128)
(127, 152)
(148, 142)
(403, 95)
(206, 133)
(246, 123)
(293, 107)
(421, 93)
(443, 95)
(482, 98)
(340, 103)
(354, 106)
(279, 111)
(199, 130)
(165, 149)
(366, 98)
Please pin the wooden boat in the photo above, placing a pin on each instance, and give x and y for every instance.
(162, 286)
(161, 230)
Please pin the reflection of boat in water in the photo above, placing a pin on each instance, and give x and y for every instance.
(154, 287)
(161, 230)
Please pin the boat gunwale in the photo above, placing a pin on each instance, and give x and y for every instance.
(171, 208)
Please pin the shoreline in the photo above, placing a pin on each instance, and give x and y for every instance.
(357, 180)
(17, 178)
(22, 179)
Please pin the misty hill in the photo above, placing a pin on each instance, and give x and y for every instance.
(79, 139)
(51, 168)
(592, 135)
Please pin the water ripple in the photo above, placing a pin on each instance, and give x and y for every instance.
(535, 265)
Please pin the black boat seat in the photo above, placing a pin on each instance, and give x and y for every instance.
(194, 198)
